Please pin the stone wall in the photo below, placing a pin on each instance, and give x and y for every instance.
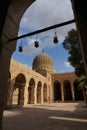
(27, 86)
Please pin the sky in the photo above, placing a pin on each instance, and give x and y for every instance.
(42, 14)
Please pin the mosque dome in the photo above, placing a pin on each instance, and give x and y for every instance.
(43, 63)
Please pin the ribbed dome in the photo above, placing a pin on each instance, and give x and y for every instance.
(43, 63)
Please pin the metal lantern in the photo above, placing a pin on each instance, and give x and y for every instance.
(20, 47)
(36, 44)
(55, 39)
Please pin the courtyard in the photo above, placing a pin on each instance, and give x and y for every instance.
(55, 116)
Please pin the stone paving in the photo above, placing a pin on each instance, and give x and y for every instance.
(55, 116)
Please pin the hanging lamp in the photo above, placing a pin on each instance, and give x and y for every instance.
(36, 43)
(55, 38)
(20, 47)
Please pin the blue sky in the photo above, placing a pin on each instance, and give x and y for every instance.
(40, 15)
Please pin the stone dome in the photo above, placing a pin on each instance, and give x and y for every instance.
(43, 63)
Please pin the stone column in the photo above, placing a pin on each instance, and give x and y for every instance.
(26, 95)
(21, 95)
(3, 12)
(51, 94)
(9, 94)
(80, 12)
(35, 94)
(22, 91)
(73, 93)
(48, 94)
(42, 94)
(5, 56)
(62, 92)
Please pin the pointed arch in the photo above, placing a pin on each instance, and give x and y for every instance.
(39, 88)
(31, 90)
(67, 90)
(57, 91)
(18, 91)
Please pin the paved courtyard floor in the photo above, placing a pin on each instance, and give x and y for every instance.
(55, 116)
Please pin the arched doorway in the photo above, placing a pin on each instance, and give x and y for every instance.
(45, 93)
(18, 91)
(39, 87)
(67, 91)
(31, 90)
(78, 92)
(57, 91)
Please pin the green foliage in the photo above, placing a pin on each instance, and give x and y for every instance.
(83, 83)
(72, 45)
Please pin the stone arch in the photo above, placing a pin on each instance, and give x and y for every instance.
(8, 10)
(67, 90)
(18, 91)
(45, 92)
(39, 90)
(78, 93)
(57, 91)
(31, 90)
(81, 32)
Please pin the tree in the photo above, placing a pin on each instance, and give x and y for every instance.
(83, 85)
(72, 45)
